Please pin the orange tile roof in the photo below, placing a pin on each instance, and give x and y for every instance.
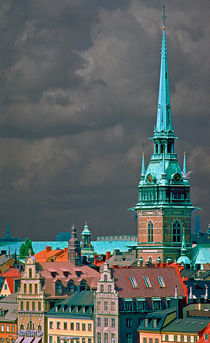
(11, 273)
(48, 255)
(63, 257)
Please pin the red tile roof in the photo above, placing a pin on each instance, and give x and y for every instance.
(170, 277)
(11, 273)
(48, 254)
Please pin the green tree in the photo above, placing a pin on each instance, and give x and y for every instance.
(25, 248)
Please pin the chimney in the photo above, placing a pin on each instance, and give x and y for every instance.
(48, 249)
(108, 255)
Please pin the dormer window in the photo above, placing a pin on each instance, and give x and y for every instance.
(66, 274)
(53, 274)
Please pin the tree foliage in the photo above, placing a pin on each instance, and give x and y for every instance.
(25, 248)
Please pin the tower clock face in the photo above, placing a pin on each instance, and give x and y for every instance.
(149, 178)
(177, 177)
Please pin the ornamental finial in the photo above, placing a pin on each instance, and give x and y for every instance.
(164, 17)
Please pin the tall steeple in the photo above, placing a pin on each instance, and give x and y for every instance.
(164, 205)
(164, 123)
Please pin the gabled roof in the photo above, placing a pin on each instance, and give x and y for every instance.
(147, 282)
(160, 318)
(9, 306)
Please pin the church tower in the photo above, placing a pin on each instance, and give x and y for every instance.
(164, 208)
(74, 249)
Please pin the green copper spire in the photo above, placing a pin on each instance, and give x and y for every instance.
(164, 123)
(184, 164)
(143, 166)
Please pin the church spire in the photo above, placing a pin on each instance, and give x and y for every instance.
(184, 164)
(143, 166)
(164, 123)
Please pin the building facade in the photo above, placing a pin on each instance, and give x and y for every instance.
(31, 303)
(106, 308)
(164, 207)
(72, 319)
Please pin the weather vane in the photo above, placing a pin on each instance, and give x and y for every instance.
(164, 16)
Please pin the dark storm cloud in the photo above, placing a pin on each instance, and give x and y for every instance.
(78, 95)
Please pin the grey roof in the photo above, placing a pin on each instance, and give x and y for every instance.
(79, 305)
(159, 316)
(5, 258)
(187, 325)
(8, 308)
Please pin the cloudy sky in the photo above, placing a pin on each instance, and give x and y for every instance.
(78, 97)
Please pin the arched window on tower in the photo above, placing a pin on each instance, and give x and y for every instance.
(176, 232)
(150, 231)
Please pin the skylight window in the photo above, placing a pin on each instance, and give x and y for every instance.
(160, 281)
(133, 282)
(146, 281)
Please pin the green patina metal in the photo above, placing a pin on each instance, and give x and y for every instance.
(164, 182)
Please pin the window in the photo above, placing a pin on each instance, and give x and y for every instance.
(21, 305)
(83, 285)
(195, 338)
(7, 328)
(144, 340)
(150, 340)
(129, 323)
(77, 326)
(128, 304)
(105, 305)
(166, 337)
(98, 321)
(113, 338)
(176, 232)
(102, 288)
(133, 282)
(25, 290)
(188, 338)
(27, 305)
(39, 328)
(33, 306)
(106, 338)
(156, 303)
(168, 302)
(58, 287)
(72, 326)
(50, 339)
(146, 281)
(140, 304)
(30, 273)
(112, 306)
(30, 288)
(51, 325)
(109, 288)
(13, 328)
(58, 325)
(150, 231)
(89, 340)
(83, 327)
(156, 340)
(70, 287)
(206, 337)
(129, 338)
(36, 288)
(39, 306)
(175, 338)
(106, 322)
(83, 340)
(182, 338)
(160, 281)
(98, 337)
(65, 326)
(98, 306)
(5, 286)
(105, 277)
(89, 327)
(113, 322)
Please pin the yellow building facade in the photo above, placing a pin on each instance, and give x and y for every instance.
(70, 330)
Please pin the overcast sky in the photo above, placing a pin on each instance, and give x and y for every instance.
(78, 98)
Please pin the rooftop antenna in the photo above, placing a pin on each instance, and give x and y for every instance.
(164, 17)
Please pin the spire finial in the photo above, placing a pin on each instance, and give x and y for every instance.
(164, 17)
(183, 248)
